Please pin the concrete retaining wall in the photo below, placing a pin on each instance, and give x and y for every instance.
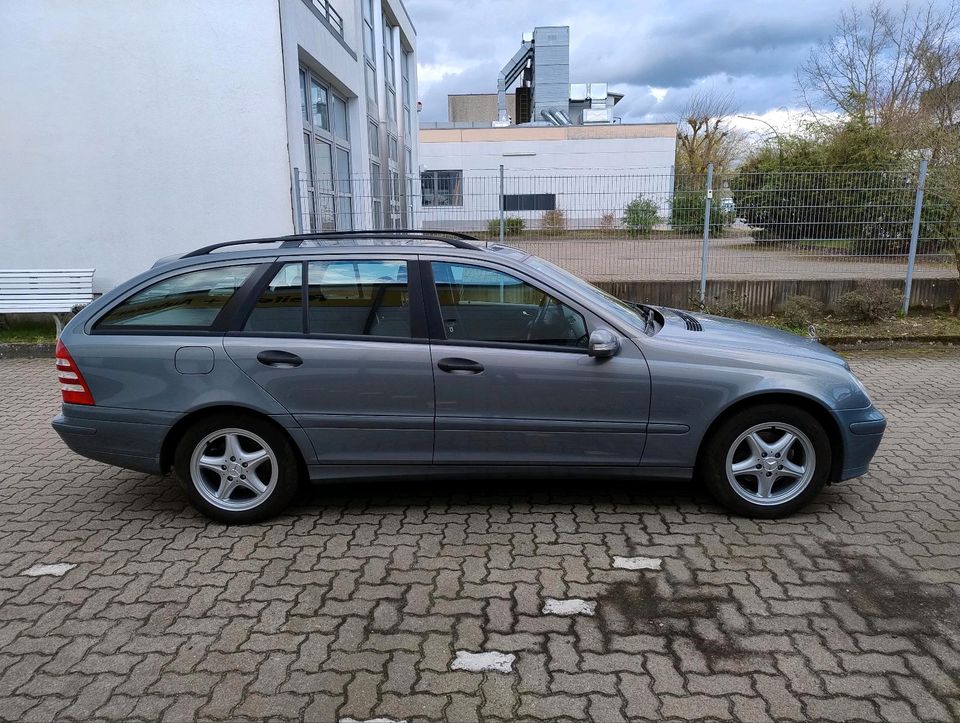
(767, 297)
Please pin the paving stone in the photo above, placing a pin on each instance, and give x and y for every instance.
(491, 661)
(355, 601)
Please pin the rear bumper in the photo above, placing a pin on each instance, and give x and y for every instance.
(121, 437)
(861, 431)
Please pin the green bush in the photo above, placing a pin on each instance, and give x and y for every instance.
(801, 311)
(872, 301)
(641, 215)
(512, 226)
(736, 307)
(687, 209)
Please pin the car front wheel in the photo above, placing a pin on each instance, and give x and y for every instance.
(767, 461)
(236, 468)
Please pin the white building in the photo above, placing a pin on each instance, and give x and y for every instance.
(568, 161)
(131, 131)
(589, 173)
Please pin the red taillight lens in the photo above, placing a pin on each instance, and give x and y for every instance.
(72, 386)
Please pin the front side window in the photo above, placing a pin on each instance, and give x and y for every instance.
(187, 301)
(442, 188)
(482, 304)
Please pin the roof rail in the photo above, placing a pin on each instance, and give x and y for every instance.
(454, 238)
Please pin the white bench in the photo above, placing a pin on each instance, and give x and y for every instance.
(44, 291)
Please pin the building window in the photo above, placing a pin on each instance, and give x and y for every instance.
(370, 79)
(389, 72)
(368, 38)
(327, 195)
(374, 138)
(341, 127)
(530, 202)
(376, 195)
(405, 93)
(369, 52)
(441, 188)
(408, 186)
(318, 104)
(393, 148)
(391, 101)
(304, 113)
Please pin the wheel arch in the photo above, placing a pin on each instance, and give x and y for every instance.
(809, 404)
(174, 434)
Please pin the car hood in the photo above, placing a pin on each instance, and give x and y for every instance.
(722, 333)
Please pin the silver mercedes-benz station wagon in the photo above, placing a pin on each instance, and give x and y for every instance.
(249, 366)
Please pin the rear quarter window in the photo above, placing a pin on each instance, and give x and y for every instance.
(191, 300)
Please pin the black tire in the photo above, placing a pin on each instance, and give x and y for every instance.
(278, 493)
(713, 460)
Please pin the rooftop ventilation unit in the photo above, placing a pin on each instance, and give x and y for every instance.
(544, 61)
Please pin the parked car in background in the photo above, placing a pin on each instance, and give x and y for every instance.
(248, 367)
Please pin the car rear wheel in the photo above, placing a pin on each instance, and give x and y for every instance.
(236, 468)
(767, 461)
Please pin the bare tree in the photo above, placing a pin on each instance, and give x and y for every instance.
(880, 63)
(705, 134)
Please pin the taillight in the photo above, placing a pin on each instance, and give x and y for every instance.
(72, 386)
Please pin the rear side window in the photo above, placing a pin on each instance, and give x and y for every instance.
(367, 297)
(362, 297)
(187, 301)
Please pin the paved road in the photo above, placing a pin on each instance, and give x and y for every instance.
(729, 258)
(355, 604)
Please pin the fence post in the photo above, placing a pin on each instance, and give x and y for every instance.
(706, 235)
(297, 208)
(915, 231)
(502, 218)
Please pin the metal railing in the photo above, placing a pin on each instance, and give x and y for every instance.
(846, 224)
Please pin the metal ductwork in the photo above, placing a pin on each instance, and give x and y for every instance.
(510, 72)
(544, 61)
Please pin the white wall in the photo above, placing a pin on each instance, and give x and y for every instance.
(130, 131)
(590, 177)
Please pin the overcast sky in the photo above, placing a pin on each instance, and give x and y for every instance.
(654, 51)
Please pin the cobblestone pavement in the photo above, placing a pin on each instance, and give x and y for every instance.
(359, 601)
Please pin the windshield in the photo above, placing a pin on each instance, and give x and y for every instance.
(627, 313)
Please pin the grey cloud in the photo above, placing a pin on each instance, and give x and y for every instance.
(750, 46)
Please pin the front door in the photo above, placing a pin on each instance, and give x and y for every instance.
(514, 383)
(336, 343)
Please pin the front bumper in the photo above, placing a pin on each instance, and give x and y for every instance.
(132, 439)
(861, 431)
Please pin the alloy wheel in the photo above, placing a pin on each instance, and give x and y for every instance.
(770, 463)
(234, 469)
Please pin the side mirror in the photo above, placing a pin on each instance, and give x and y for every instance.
(603, 344)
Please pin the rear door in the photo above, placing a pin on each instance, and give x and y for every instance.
(341, 343)
(514, 382)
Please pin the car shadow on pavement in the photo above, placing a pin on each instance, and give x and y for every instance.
(500, 492)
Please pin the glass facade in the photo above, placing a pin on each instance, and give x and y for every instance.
(327, 199)
(334, 190)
